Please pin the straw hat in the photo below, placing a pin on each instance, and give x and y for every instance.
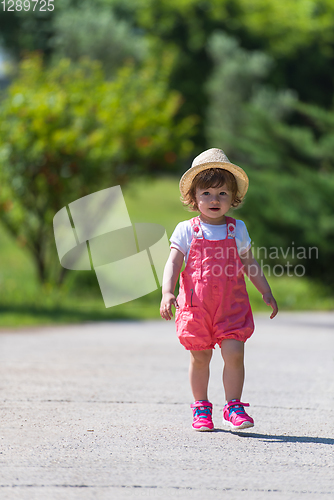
(214, 158)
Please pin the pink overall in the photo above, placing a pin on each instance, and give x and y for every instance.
(213, 301)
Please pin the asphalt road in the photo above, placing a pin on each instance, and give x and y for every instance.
(101, 411)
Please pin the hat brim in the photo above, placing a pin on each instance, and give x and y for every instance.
(239, 174)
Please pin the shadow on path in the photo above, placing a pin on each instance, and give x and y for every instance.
(281, 439)
(58, 315)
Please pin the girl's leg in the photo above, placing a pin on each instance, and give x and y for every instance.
(234, 372)
(199, 373)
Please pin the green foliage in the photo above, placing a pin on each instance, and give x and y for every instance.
(22, 31)
(237, 86)
(298, 34)
(66, 132)
(111, 41)
(288, 26)
(285, 26)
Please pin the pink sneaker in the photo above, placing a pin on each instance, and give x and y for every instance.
(202, 412)
(235, 417)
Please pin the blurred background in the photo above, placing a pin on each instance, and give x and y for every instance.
(128, 92)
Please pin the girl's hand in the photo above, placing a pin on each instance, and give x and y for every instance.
(166, 305)
(270, 301)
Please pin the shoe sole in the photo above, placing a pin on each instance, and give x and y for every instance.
(203, 429)
(245, 425)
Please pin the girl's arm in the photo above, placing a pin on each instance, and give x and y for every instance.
(255, 274)
(171, 274)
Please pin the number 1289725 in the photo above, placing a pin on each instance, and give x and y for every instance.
(17, 5)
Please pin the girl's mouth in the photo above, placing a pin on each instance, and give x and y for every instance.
(214, 209)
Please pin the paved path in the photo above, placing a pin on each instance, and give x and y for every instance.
(101, 411)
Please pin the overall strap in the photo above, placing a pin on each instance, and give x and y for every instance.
(230, 228)
(196, 228)
(230, 235)
(197, 236)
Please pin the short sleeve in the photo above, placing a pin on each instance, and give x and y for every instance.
(178, 239)
(242, 237)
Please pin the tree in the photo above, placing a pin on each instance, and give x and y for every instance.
(66, 132)
(298, 35)
(110, 40)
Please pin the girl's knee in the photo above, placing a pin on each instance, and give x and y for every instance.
(232, 351)
(201, 357)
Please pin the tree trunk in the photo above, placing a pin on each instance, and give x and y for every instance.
(61, 276)
(40, 264)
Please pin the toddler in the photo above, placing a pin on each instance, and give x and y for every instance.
(213, 306)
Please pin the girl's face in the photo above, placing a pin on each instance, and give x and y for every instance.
(213, 203)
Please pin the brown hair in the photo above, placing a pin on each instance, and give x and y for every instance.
(211, 177)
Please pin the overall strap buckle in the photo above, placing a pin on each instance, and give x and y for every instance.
(231, 227)
(196, 227)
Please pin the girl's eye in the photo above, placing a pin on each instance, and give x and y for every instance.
(223, 192)
(206, 192)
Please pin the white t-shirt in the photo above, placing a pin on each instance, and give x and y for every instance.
(182, 236)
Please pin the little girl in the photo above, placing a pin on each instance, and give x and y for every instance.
(213, 306)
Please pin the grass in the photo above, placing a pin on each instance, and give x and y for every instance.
(23, 302)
